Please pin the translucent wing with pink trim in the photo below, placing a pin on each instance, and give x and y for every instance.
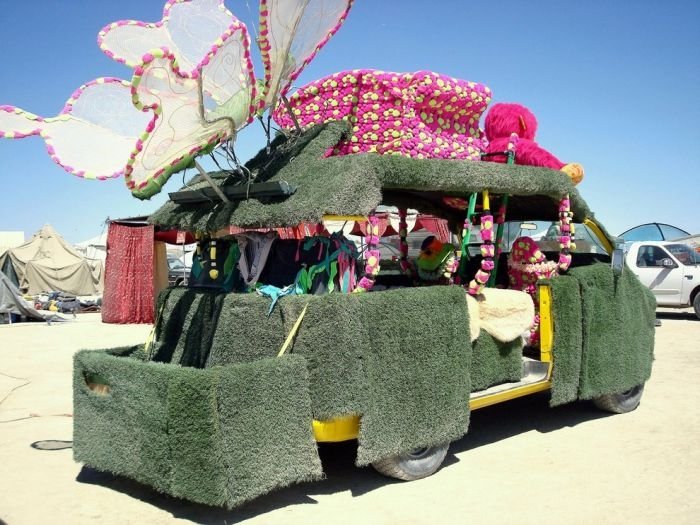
(291, 33)
(182, 127)
(189, 29)
(94, 133)
(193, 87)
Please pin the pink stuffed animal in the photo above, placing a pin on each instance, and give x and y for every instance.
(527, 265)
(503, 121)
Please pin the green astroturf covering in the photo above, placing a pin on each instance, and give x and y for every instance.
(494, 362)
(568, 339)
(353, 184)
(603, 333)
(210, 414)
(618, 330)
(219, 436)
(400, 358)
(124, 432)
(416, 360)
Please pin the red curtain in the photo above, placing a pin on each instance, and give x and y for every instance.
(128, 295)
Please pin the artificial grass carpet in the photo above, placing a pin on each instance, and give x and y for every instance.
(235, 421)
(603, 333)
(568, 339)
(356, 184)
(219, 436)
(416, 358)
(494, 362)
(618, 330)
(125, 432)
(399, 358)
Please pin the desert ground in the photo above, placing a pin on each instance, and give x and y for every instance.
(521, 461)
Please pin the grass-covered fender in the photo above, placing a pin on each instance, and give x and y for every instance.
(220, 436)
(603, 333)
(618, 314)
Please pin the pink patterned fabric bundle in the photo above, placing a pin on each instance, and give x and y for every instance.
(418, 115)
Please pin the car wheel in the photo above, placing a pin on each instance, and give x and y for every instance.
(620, 403)
(178, 282)
(696, 304)
(417, 464)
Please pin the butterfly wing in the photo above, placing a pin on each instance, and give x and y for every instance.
(178, 130)
(93, 134)
(291, 33)
(189, 29)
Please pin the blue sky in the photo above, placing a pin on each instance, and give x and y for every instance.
(614, 85)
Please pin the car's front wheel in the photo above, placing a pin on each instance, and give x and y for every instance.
(620, 403)
(413, 465)
(696, 305)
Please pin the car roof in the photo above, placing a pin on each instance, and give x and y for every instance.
(357, 184)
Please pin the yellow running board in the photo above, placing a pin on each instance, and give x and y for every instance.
(348, 427)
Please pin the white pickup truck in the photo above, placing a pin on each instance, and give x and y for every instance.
(671, 270)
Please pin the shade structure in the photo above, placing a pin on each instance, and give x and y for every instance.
(48, 263)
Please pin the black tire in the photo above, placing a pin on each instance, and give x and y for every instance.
(620, 403)
(696, 305)
(178, 281)
(413, 465)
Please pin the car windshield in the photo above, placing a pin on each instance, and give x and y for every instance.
(684, 254)
(545, 234)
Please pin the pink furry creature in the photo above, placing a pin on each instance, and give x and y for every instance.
(513, 127)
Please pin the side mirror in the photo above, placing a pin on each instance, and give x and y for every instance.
(618, 261)
(668, 263)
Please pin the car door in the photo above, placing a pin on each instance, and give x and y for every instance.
(665, 282)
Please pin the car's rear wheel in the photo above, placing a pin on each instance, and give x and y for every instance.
(621, 403)
(413, 465)
(696, 305)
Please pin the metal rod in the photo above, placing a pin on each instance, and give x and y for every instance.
(291, 113)
(206, 177)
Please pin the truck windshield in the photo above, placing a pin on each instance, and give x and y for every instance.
(684, 254)
(546, 236)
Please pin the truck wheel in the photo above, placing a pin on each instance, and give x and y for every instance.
(417, 464)
(620, 403)
(696, 305)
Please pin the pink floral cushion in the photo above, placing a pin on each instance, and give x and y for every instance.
(418, 115)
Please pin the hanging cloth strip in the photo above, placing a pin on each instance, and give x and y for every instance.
(340, 259)
(274, 293)
(255, 248)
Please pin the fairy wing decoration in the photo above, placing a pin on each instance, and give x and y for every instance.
(291, 33)
(192, 88)
(94, 133)
(193, 73)
(188, 29)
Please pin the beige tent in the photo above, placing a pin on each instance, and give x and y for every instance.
(46, 262)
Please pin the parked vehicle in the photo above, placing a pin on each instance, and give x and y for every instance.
(671, 270)
(178, 273)
(240, 382)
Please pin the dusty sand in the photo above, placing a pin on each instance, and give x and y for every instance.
(521, 462)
